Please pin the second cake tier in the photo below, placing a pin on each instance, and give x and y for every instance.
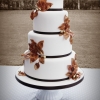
(52, 69)
(54, 45)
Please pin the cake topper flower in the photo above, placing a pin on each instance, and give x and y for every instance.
(43, 5)
(65, 29)
(72, 70)
(35, 53)
(33, 14)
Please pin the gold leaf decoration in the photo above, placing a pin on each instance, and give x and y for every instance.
(21, 73)
(72, 70)
(35, 53)
(26, 56)
(35, 50)
(36, 66)
(43, 5)
(39, 47)
(65, 29)
(41, 60)
(33, 14)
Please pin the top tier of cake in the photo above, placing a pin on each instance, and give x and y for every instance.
(57, 4)
(49, 21)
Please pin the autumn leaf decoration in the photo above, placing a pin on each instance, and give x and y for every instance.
(21, 73)
(42, 5)
(72, 70)
(35, 53)
(33, 14)
(65, 29)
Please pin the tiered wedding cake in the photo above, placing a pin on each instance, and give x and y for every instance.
(50, 56)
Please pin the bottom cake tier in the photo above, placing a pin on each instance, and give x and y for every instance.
(54, 69)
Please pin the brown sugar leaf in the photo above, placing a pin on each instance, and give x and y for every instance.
(66, 19)
(41, 60)
(62, 26)
(69, 67)
(43, 5)
(76, 76)
(60, 34)
(36, 66)
(71, 39)
(69, 74)
(72, 70)
(33, 58)
(26, 56)
(33, 14)
(66, 35)
(36, 13)
(48, 5)
(40, 44)
(39, 47)
(33, 47)
(21, 73)
(35, 52)
(65, 29)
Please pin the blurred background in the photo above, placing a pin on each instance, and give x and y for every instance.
(68, 4)
(15, 23)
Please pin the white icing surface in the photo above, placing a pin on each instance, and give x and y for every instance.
(47, 84)
(56, 3)
(55, 68)
(49, 21)
(53, 44)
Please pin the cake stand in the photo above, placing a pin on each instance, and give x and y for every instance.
(47, 90)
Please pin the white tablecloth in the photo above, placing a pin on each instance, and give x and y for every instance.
(10, 89)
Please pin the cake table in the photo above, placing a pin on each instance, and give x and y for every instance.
(47, 90)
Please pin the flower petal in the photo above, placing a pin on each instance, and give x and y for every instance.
(21, 73)
(33, 58)
(66, 36)
(62, 26)
(37, 66)
(33, 14)
(41, 60)
(43, 5)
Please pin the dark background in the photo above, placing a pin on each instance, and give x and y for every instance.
(68, 4)
(15, 25)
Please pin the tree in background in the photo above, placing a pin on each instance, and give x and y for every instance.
(68, 4)
(78, 4)
(29, 4)
(5, 4)
(8, 2)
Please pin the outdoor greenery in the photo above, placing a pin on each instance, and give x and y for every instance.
(68, 4)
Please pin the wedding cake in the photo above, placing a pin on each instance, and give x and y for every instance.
(50, 56)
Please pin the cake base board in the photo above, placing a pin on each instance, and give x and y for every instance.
(24, 80)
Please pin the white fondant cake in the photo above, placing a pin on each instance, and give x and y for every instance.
(49, 55)
(49, 21)
(52, 69)
(53, 44)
